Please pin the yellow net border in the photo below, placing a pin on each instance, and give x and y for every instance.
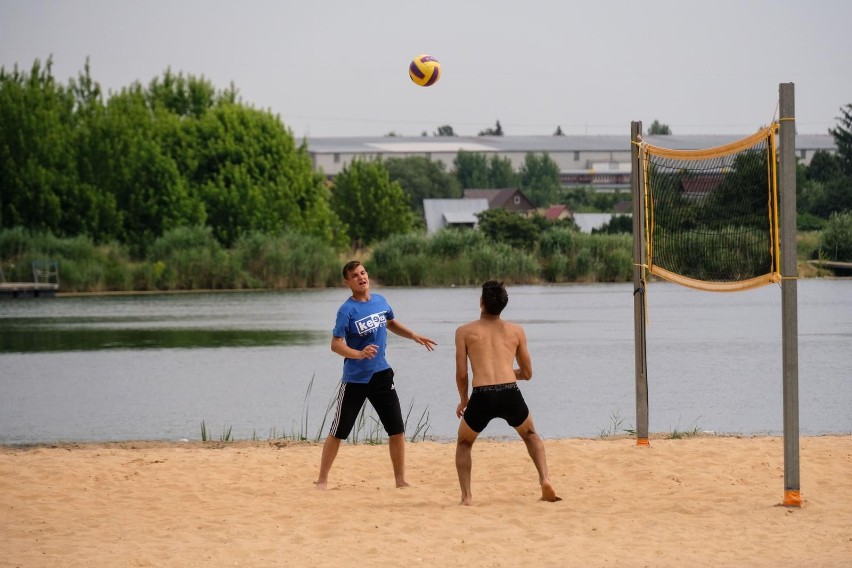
(764, 135)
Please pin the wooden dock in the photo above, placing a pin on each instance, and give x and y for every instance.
(44, 285)
(839, 268)
(27, 290)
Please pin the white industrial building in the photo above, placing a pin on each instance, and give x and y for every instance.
(602, 162)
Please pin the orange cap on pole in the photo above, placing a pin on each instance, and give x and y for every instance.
(792, 498)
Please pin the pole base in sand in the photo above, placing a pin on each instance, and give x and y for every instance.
(792, 498)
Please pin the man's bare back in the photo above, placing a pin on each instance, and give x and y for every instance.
(492, 345)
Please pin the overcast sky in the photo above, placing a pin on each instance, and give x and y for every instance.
(340, 67)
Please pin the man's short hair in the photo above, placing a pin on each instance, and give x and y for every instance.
(494, 297)
(349, 267)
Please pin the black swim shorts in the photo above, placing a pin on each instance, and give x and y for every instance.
(495, 401)
(381, 393)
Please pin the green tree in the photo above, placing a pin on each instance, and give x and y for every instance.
(579, 198)
(422, 178)
(252, 177)
(539, 177)
(471, 169)
(558, 131)
(659, 129)
(503, 226)
(836, 239)
(825, 188)
(843, 138)
(810, 198)
(500, 173)
(837, 197)
(38, 178)
(445, 130)
(103, 219)
(184, 96)
(474, 170)
(496, 131)
(371, 205)
(126, 160)
(177, 153)
(823, 167)
(606, 202)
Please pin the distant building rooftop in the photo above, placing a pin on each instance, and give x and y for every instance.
(601, 161)
(484, 144)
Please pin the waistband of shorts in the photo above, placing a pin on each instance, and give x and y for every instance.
(496, 388)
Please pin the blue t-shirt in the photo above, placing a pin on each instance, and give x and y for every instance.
(361, 324)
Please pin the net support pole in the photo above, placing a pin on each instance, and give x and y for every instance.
(639, 287)
(789, 291)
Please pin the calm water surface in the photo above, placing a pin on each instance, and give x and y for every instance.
(153, 367)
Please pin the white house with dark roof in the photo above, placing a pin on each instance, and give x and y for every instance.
(442, 213)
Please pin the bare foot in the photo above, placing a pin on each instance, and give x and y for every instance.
(466, 501)
(402, 484)
(321, 485)
(548, 493)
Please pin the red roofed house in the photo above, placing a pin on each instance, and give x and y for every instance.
(558, 212)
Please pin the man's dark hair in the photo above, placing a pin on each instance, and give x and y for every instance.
(494, 297)
(349, 267)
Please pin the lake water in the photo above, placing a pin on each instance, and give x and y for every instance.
(153, 367)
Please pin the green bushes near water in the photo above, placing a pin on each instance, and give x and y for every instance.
(185, 258)
(836, 241)
(191, 258)
(569, 256)
(288, 261)
(833, 242)
(466, 257)
(83, 265)
(450, 258)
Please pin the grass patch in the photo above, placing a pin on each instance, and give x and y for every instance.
(615, 425)
(224, 437)
(368, 428)
(677, 434)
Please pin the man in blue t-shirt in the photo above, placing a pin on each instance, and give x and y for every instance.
(360, 336)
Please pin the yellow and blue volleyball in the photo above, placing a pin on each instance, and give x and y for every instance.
(424, 70)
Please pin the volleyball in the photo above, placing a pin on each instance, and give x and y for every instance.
(424, 70)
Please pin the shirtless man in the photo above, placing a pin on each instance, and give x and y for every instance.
(492, 346)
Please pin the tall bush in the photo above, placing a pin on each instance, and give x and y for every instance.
(450, 257)
(284, 261)
(190, 258)
(837, 237)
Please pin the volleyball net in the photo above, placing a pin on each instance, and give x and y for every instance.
(711, 215)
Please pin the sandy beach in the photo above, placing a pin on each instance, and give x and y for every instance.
(702, 501)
